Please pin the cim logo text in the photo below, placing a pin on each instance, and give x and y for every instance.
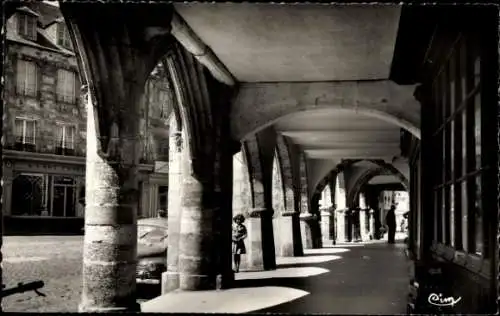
(439, 300)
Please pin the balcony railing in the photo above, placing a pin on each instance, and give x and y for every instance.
(51, 145)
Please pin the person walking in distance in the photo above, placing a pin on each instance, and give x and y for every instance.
(390, 220)
(239, 234)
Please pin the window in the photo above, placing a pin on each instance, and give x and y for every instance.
(26, 26)
(457, 141)
(29, 195)
(63, 38)
(65, 139)
(25, 131)
(66, 86)
(27, 78)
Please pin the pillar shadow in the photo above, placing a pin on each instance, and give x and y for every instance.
(365, 280)
(148, 291)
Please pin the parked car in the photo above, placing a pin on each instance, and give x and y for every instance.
(151, 250)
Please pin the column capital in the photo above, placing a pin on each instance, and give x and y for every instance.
(305, 216)
(325, 213)
(341, 210)
(288, 213)
(308, 216)
(259, 211)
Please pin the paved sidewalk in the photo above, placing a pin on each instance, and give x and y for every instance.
(357, 278)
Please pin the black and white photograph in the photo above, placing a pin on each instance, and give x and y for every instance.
(250, 157)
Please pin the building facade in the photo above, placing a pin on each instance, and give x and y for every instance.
(44, 129)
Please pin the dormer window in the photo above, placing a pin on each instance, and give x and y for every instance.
(26, 26)
(63, 35)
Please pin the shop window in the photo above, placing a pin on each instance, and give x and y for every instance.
(63, 196)
(29, 195)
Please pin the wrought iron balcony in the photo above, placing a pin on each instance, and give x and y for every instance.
(52, 145)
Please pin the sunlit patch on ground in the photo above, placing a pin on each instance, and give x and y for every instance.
(302, 272)
(325, 251)
(23, 259)
(238, 300)
(306, 259)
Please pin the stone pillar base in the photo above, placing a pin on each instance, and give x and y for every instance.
(169, 282)
(305, 230)
(326, 221)
(190, 282)
(286, 235)
(253, 260)
(341, 226)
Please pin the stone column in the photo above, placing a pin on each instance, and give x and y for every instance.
(286, 234)
(196, 236)
(326, 222)
(170, 278)
(365, 234)
(276, 221)
(305, 230)
(115, 61)
(110, 243)
(372, 223)
(348, 224)
(254, 258)
(341, 225)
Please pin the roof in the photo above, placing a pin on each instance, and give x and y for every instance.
(28, 10)
(48, 13)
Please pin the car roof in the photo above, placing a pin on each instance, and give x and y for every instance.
(155, 221)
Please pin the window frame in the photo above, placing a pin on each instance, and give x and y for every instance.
(23, 136)
(65, 127)
(61, 87)
(23, 27)
(24, 91)
(63, 37)
(464, 168)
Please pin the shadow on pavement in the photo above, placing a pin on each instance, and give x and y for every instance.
(371, 279)
(148, 291)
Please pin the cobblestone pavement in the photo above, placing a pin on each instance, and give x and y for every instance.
(56, 260)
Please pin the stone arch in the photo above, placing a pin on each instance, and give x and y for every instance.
(272, 101)
(331, 176)
(365, 177)
(278, 192)
(278, 201)
(404, 181)
(286, 170)
(242, 195)
(252, 157)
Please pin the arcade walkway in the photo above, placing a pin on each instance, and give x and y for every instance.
(369, 278)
